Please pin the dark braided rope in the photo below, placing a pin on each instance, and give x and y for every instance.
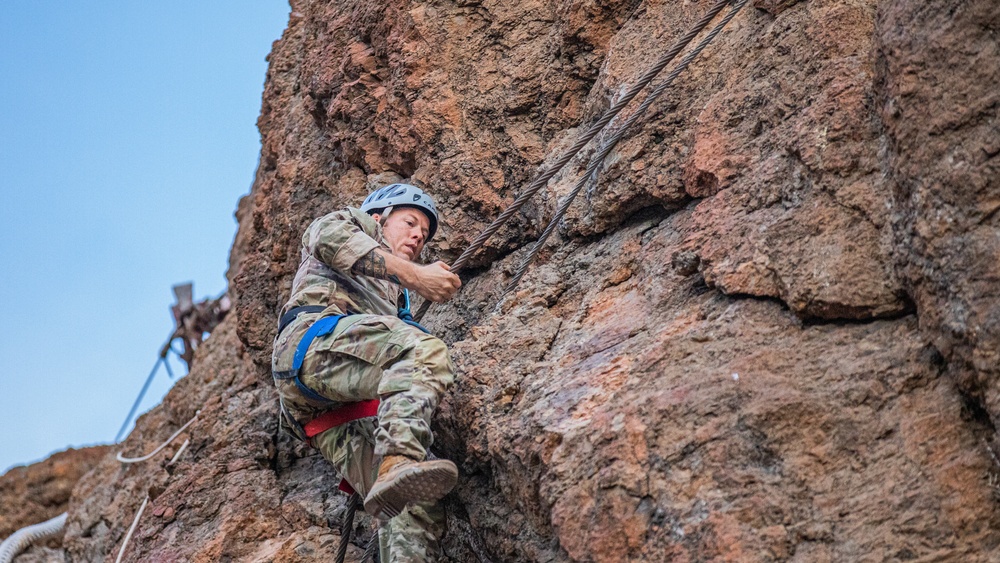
(371, 550)
(598, 160)
(542, 179)
(347, 527)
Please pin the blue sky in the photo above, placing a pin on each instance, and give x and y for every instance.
(127, 135)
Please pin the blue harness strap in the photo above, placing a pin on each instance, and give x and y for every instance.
(324, 327)
(321, 327)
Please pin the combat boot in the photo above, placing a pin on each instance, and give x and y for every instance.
(402, 480)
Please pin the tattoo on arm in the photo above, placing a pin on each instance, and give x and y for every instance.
(373, 265)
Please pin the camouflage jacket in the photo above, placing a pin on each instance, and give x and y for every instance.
(330, 247)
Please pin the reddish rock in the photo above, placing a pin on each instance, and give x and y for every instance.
(768, 334)
(774, 7)
(939, 106)
(34, 493)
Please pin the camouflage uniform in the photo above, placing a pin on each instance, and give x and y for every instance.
(371, 354)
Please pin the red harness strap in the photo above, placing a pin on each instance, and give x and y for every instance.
(347, 413)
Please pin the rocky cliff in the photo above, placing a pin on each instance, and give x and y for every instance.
(37, 492)
(768, 333)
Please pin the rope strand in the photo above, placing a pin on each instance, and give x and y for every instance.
(542, 179)
(21, 539)
(347, 527)
(142, 393)
(371, 550)
(135, 523)
(598, 160)
(124, 459)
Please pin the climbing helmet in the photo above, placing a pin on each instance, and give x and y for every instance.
(402, 195)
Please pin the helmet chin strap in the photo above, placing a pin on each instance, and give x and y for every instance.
(384, 216)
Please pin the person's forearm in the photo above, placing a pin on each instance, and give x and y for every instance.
(385, 266)
(432, 281)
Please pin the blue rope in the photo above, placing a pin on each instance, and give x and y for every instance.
(145, 387)
(166, 364)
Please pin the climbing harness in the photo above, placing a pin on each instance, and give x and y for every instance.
(336, 417)
(294, 312)
(321, 327)
(332, 418)
(347, 412)
(542, 179)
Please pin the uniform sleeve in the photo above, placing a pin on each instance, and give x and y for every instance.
(337, 240)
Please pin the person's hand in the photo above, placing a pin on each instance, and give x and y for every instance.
(436, 283)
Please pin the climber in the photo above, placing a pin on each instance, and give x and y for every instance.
(341, 349)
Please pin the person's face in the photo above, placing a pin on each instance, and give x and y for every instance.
(406, 231)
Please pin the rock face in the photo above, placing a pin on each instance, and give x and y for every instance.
(768, 333)
(35, 493)
(942, 138)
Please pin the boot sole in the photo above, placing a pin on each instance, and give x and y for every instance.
(424, 482)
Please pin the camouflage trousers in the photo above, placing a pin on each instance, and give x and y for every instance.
(414, 535)
(369, 357)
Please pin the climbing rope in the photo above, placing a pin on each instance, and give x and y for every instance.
(161, 360)
(145, 501)
(21, 539)
(180, 450)
(131, 530)
(347, 530)
(124, 459)
(371, 550)
(142, 393)
(542, 179)
(166, 364)
(347, 527)
(598, 160)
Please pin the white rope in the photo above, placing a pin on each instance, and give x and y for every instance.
(179, 452)
(145, 501)
(21, 539)
(135, 523)
(124, 459)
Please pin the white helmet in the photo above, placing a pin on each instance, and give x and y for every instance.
(402, 195)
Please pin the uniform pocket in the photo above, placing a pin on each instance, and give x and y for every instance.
(369, 338)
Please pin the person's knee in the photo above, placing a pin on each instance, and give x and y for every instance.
(433, 353)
